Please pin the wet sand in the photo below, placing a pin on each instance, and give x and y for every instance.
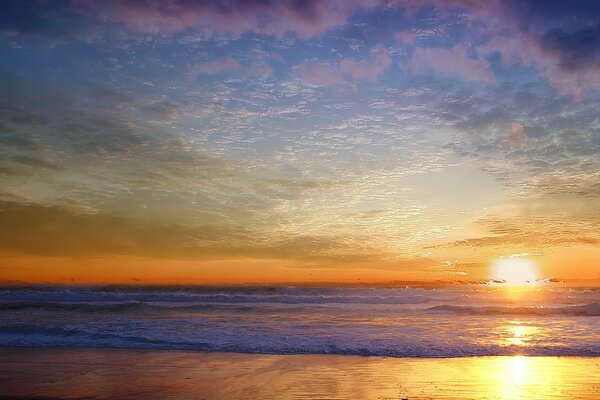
(72, 373)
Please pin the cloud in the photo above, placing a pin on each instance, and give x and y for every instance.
(515, 136)
(34, 162)
(451, 63)
(369, 69)
(229, 65)
(306, 19)
(568, 70)
(29, 119)
(534, 232)
(406, 37)
(317, 73)
(560, 40)
(575, 49)
(54, 231)
(162, 111)
(213, 67)
(109, 95)
(258, 69)
(23, 142)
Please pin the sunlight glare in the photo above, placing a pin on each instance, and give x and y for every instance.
(518, 370)
(515, 271)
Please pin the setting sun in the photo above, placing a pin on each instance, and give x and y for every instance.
(515, 271)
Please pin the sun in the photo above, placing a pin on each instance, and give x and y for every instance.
(515, 271)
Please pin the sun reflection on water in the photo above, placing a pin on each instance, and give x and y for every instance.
(519, 334)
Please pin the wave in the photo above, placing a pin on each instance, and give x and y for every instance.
(35, 336)
(421, 297)
(117, 307)
(592, 309)
(299, 297)
(290, 295)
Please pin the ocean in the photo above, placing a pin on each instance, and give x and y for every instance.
(457, 321)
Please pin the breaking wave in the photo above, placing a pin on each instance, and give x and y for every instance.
(592, 309)
(31, 335)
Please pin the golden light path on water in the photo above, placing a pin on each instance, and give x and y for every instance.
(521, 334)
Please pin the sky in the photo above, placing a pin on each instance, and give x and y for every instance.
(179, 141)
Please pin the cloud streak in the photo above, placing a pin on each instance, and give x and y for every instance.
(452, 63)
(317, 73)
(369, 69)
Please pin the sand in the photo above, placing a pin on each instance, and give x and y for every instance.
(84, 373)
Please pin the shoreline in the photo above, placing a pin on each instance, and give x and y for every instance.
(121, 373)
(257, 353)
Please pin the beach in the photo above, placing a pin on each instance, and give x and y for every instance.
(91, 373)
(289, 342)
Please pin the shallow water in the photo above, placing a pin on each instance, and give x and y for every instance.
(159, 374)
(397, 322)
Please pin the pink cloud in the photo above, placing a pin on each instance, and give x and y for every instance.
(213, 67)
(406, 37)
(528, 50)
(453, 62)
(312, 18)
(369, 69)
(258, 69)
(317, 73)
(307, 19)
(515, 136)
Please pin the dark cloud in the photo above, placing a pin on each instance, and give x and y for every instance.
(36, 162)
(539, 14)
(29, 119)
(577, 50)
(162, 111)
(24, 142)
(98, 136)
(107, 94)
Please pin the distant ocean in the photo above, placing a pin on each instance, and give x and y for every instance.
(394, 322)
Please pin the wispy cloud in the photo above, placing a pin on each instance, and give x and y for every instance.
(225, 64)
(369, 69)
(318, 73)
(453, 62)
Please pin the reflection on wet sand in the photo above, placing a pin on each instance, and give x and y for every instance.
(152, 374)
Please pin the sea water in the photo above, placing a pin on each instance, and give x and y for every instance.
(470, 320)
